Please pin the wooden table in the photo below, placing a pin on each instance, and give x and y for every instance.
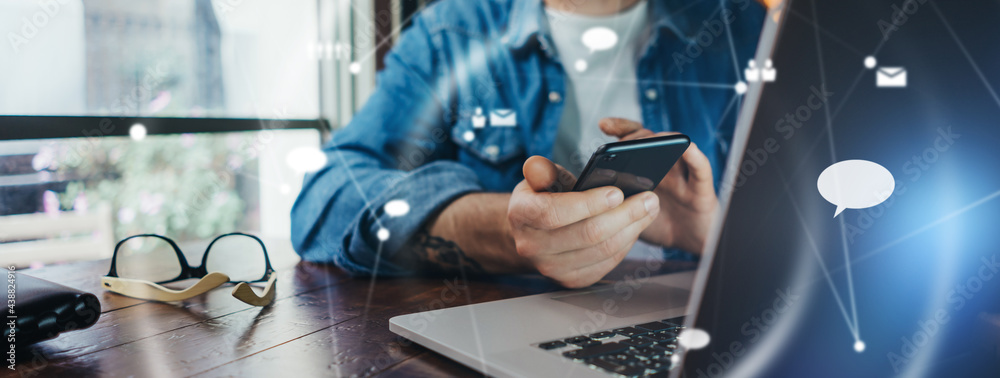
(322, 323)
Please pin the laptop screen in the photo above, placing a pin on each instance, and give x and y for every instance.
(861, 237)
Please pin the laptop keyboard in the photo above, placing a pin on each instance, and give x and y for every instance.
(640, 350)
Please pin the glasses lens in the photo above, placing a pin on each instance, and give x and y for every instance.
(147, 258)
(239, 256)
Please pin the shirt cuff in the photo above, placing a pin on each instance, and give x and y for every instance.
(377, 237)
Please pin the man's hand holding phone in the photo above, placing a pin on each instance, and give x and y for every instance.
(687, 193)
(574, 238)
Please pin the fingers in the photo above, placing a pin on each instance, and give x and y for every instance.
(693, 169)
(623, 242)
(619, 127)
(586, 266)
(699, 168)
(601, 231)
(550, 211)
(587, 276)
(543, 175)
(644, 133)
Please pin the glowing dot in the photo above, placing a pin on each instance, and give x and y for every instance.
(397, 208)
(693, 338)
(469, 136)
(740, 88)
(137, 132)
(355, 68)
(675, 359)
(580, 65)
(870, 62)
(382, 234)
(306, 159)
(859, 346)
(285, 189)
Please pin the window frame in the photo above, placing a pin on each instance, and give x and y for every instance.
(50, 127)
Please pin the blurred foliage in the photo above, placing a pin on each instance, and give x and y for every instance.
(184, 187)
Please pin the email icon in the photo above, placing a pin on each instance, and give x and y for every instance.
(891, 77)
(503, 118)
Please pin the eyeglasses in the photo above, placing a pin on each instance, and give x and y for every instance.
(142, 263)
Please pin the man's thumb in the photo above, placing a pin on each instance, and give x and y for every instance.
(543, 175)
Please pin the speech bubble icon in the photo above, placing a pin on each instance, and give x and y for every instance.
(855, 184)
(599, 38)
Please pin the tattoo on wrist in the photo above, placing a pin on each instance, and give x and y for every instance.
(442, 254)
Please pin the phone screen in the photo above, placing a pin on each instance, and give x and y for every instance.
(633, 166)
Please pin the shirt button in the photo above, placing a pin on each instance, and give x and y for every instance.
(651, 94)
(492, 150)
(555, 97)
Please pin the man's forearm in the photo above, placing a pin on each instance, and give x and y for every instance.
(473, 232)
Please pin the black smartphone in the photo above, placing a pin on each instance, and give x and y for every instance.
(634, 166)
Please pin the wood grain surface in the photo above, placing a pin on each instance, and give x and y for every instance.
(323, 323)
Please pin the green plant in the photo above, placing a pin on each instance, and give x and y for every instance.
(184, 186)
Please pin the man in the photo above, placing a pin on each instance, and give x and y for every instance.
(477, 99)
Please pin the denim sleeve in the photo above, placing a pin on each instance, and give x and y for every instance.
(396, 148)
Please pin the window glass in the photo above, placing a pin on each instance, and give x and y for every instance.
(191, 58)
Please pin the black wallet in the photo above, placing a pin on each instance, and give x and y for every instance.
(37, 310)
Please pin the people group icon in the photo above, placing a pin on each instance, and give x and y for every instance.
(765, 74)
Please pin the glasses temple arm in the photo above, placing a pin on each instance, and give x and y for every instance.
(245, 293)
(150, 291)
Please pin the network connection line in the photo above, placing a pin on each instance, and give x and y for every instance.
(729, 35)
(667, 83)
(928, 226)
(833, 160)
(378, 253)
(387, 39)
(714, 131)
(965, 52)
(371, 285)
(607, 80)
(822, 265)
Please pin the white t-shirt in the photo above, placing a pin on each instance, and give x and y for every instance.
(600, 83)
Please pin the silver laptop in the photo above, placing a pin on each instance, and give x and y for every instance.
(551, 334)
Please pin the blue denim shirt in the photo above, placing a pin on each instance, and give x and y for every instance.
(411, 140)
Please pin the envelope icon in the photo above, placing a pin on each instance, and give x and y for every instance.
(503, 118)
(893, 77)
